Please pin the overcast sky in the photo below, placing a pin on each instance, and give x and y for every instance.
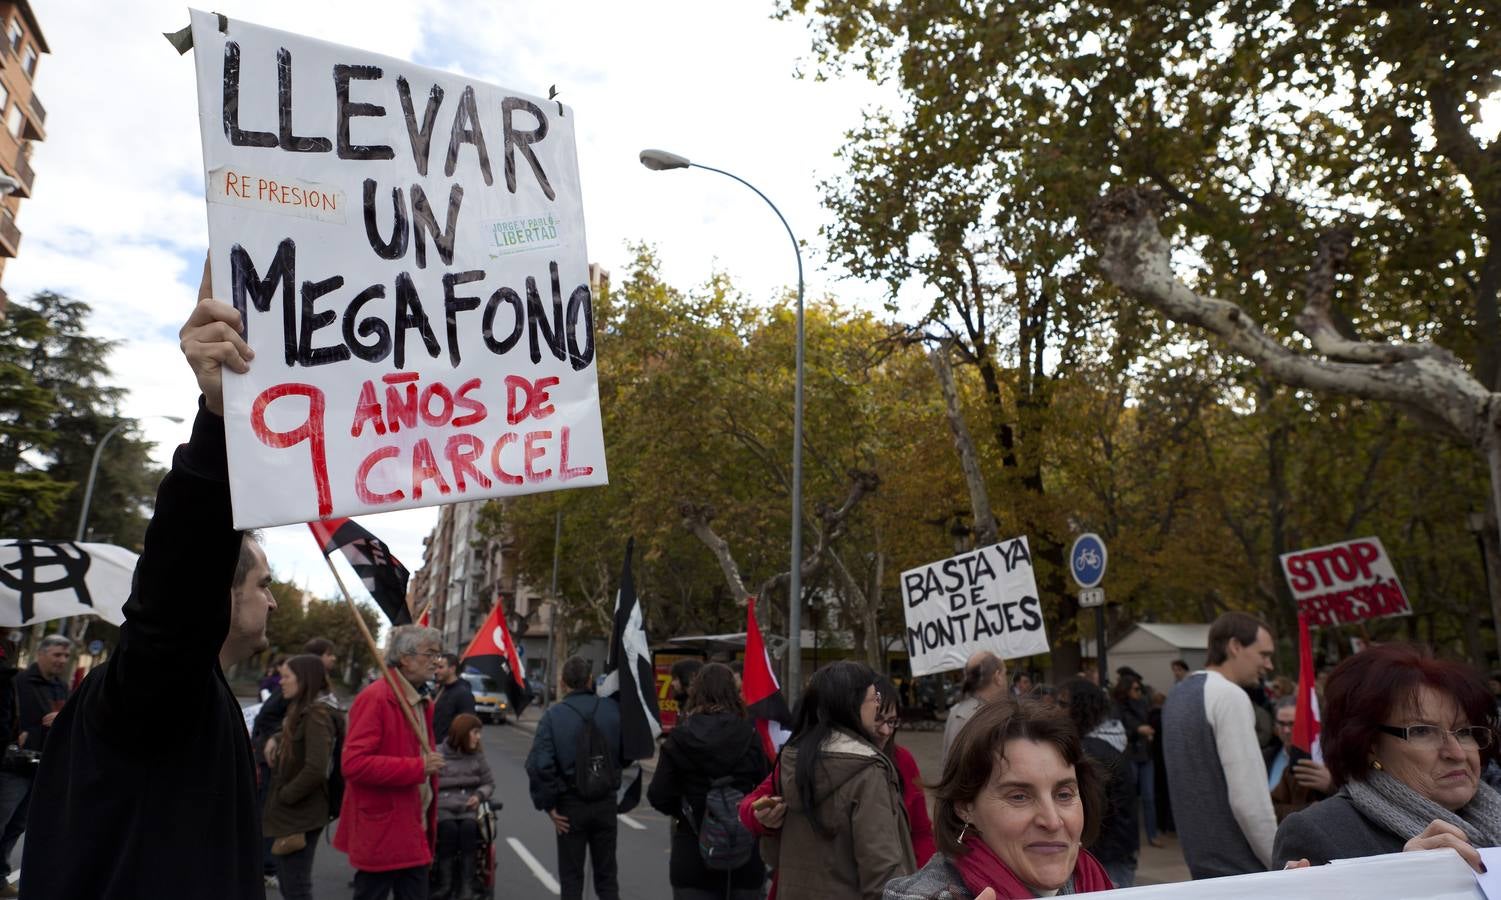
(118, 214)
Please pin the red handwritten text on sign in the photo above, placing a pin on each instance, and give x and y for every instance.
(1347, 582)
(472, 457)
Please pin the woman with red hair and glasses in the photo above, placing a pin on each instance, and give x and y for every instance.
(1404, 738)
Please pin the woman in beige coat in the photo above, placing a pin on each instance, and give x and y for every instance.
(845, 833)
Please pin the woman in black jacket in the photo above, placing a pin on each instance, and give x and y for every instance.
(713, 740)
(1133, 707)
(1119, 841)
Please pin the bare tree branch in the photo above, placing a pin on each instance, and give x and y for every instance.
(696, 518)
(1135, 256)
(1317, 320)
(986, 530)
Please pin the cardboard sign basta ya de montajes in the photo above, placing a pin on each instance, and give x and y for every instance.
(985, 599)
(406, 247)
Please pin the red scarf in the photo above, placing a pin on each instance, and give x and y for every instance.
(981, 869)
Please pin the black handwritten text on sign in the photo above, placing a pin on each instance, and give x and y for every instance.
(406, 248)
(982, 600)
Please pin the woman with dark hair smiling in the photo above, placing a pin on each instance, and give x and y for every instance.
(1018, 802)
(845, 831)
(1404, 738)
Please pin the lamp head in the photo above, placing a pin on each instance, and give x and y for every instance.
(658, 160)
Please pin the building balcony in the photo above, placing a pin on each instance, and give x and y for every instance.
(10, 236)
(38, 111)
(24, 174)
(32, 131)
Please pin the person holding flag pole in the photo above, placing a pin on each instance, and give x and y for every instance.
(1305, 779)
(389, 827)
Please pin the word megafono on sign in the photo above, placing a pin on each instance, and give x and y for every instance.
(406, 247)
(982, 600)
(1346, 582)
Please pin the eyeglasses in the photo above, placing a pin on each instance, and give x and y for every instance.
(429, 654)
(892, 722)
(1431, 737)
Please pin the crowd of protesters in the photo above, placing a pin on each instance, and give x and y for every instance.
(1042, 789)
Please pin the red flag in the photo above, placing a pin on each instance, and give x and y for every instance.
(494, 653)
(759, 688)
(382, 573)
(1306, 725)
(425, 618)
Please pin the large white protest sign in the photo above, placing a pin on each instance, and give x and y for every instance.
(407, 249)
(45, 580)
(1346, 582)
(1419, 875)
(982, 600)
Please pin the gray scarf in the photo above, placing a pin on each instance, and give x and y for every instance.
(1402, 811)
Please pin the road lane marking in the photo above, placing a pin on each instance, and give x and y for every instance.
(631, 822)
(535, 865)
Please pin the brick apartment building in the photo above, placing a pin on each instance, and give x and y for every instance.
(22, 116)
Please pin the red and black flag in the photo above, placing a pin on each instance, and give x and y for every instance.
(493, 653)
(759, 688)
(383, 574)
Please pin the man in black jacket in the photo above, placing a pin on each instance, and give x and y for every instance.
(455, 696)
(583, 825)
(147, 788)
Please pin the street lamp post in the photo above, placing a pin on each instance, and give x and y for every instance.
(659, 160)
(88, 491)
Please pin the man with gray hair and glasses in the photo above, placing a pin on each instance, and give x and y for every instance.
(388, 824)
(39, 692)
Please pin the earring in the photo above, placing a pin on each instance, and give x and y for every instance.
(1376, 764)
(962, 831)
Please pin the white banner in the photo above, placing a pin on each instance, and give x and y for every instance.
(982, 600)
(1419, 875)
(407, 249)
(45, 580)
(1346, 582)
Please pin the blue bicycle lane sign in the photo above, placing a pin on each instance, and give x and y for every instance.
(1086, 560)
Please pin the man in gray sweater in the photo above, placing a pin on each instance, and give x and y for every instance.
(1216, 775)
(984, 681)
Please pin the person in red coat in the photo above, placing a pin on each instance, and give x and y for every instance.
(768, 817)
(388, 824)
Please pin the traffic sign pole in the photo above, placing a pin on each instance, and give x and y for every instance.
(1086, 562)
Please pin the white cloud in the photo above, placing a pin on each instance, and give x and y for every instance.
(118, 217)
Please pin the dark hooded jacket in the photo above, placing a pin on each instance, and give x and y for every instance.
(148, 787)
(700, 749)
(867, 841)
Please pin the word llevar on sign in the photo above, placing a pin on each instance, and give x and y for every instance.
(406, 247)
(1346, 582)
(982, 600)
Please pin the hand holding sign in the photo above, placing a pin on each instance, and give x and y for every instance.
(211, 341)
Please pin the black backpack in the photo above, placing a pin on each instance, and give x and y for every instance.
(724, 843)
(596, 769)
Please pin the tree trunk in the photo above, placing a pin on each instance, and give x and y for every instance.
(986, 532)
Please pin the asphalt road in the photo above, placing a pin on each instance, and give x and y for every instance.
(526, 865)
